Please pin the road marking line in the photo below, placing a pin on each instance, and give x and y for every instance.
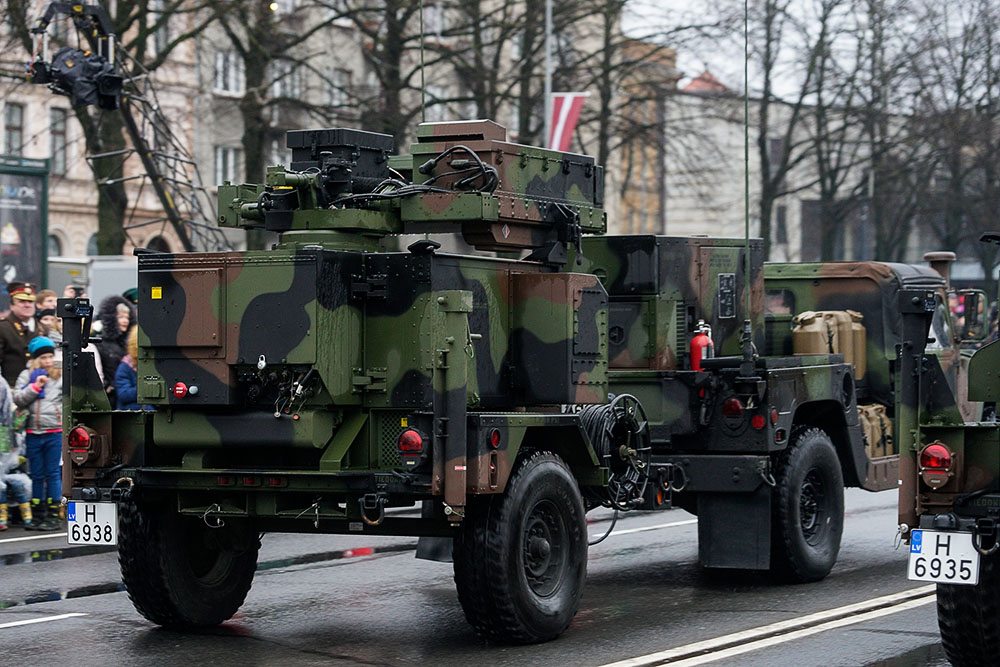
(31, 537)
(798, 634)
(827, 617)
(629, 531)
(30, 621)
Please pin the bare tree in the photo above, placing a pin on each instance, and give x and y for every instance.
(140, 28)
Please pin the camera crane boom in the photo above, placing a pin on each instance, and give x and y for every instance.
(109, 78)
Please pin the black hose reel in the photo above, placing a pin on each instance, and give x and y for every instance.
(619, 433)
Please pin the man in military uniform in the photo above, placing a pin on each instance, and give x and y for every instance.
(16, 330)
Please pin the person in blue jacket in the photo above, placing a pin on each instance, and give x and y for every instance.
(126, 379)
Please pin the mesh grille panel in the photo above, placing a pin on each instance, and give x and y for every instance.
(681, 342)
(388, 429)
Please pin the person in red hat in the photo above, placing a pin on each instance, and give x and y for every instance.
(16, 330)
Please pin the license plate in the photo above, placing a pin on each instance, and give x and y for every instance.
(92, 523)
(945, 558)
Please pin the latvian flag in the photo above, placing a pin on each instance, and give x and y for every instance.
(565, 113)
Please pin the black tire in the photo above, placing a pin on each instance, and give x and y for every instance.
(521, 557)
(179, 572)
(808, 509)
(969, 618)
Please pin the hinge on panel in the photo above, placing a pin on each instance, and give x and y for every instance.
(373, 381)
(372, 287)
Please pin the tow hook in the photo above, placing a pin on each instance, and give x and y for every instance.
(984, 532)
(671, 477)
(373, 501)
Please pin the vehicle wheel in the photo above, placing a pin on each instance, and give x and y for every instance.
(521, 557)
(179, 572)
(969, 618)
(808, 508)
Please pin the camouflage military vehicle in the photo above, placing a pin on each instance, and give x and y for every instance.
(949, 493)
(311, 387)
(868, 291)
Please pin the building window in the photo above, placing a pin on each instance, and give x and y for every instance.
(436, 109)
(92, 245)
(781, 225)
(286, 80)
(228, 72)
(13, 128)
(336, 9)
(775, 149)
(278, 155)
(434, 20)
(59, 30)
(159, 22)
(226, 164)
(340, 87)
(57, 134)
(54, 246)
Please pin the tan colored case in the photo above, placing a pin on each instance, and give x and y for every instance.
(877, 428)
(832, 332)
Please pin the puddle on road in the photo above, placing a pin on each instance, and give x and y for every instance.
(47, 555)
(931, 655)
(341, 554)
(55, 596)
(103, 589)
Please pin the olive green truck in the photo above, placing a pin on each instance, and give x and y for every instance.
(313, 386)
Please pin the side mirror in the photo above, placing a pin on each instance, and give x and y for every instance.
(976, 327)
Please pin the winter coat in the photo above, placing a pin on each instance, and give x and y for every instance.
(113, 339)
(14, 337)
(126, 386)
(45, 413)
(11, 459)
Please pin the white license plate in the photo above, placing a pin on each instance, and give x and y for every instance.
(945, 558)
(92, 523)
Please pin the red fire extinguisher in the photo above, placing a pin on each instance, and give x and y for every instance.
(702, 346)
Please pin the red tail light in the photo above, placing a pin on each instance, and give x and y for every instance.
(410, 441)
(732, 407)
(757, 421)
(79, 438)
(495, 438)
(935, 456)
(180, 390)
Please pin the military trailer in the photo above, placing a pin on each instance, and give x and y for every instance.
(313, 386)
(949, 492)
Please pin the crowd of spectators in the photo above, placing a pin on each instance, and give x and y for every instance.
(31, 395)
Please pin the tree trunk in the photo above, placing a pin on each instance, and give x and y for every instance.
(105, 134)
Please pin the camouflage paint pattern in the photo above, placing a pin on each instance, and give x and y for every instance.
(660, 286)
(536, 189)
(972, 487)
(284, 379)
(872, 289)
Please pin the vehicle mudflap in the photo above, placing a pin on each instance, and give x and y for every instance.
(734, 529)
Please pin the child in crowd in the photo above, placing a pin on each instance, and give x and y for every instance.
(15, 487)
(126, 380)
(51, 328)
(38, 389)
(46, 299)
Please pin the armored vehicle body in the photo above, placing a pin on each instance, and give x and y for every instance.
(811, 305)
(949, 493)
(313, 386)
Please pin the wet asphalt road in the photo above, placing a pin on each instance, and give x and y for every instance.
(321, 600)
